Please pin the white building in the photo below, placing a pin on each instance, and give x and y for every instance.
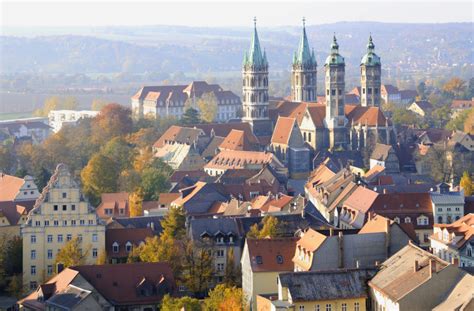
(448, 206)
(36, 129)
(59, 118)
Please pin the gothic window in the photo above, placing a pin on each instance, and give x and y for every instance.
(333, 92)
(309, 137)
(304, 136)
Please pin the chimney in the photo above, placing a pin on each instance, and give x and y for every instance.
(416, 267)
(341, 250)
(432, 267)
(387, 238)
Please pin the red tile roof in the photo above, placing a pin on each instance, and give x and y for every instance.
(282, 131)
(268, 251)
(9, 186)
(116, 202)
(371, 116)
(462, 104)
(236, 140)
(122, 236)
(361, 199)
(228, 159)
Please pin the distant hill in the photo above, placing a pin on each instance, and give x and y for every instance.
(403, 47)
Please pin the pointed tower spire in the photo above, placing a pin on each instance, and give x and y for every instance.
(255, 56)
(370, 45)
(303, 56)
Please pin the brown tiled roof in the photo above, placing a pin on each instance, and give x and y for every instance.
(355, 91)
(378, 223)
(398, 276)
(371, 116)
(361, 199)
(183, 135)
(194, 190)
(179, 175)
(282, 130)
(122, 236)
(223, 129)
(269, 250)
(271, 203)
(373, 172)
(239, 159)
(381, 152)
(118, 282)
(462, 104)
(167, 198)
(14, 210)
(311, 240)
(317, 113)
(114, 201)
(236, 140)
(462, 228)
(9, 186)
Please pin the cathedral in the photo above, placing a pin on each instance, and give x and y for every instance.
(326, 122)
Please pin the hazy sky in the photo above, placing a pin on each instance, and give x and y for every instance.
(227, 13)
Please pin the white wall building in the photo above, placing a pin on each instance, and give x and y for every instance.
(59, 118)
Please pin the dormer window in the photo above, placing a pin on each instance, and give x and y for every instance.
(220, 240)
(407, 220)
(397, 220)
(115, 247)
(259, 260)
(128, 247)
(279, 259)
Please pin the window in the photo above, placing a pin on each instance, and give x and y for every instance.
(316, 308)
(94, 237)
(333, 92)
(82, 222)
(469, 252)
(301, 308)
(344, 307)
(231, 239)
(94, 253)
(356, 306)
(397, 220)
(64, 222)
(64, 195)
(33, 270)
(91, 222)
(279, 259)
(449, 209)
(55, 207)
(407, 220)
(46, 223)
(50, 269)
(64, 207)
(73, 207)
(128, 247)
(440, 219)
(327, 92)
(60, 238)
(56, 223)
(115, 247)
(33, 285)
(50, 254)
(220, 240)
(457, 209)
(73, 222)
(50, 238)
(33, 239)
(440, 209)
(259, 260)
(122, 211)
(220, 253)
(309, 137)
(108, 211)
(37, 223)
(426, 236)
(68, 237)
(328, 307)
(33, 254)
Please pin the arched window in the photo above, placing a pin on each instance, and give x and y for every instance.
(128, 247)
(115, 247)
(407, 220)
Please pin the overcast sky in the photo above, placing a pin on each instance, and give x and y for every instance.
(227, 13)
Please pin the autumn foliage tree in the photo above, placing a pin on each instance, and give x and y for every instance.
(135, 201)
(466, 184)
(269, 228)
(72, 253)
(113, 120)
(99, 176)
(455, 86)
(225, 298)
(207, 105)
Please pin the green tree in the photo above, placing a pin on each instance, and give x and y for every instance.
(120, 151)
(441, 116)
(421, 90)
(403, 116)
(72, 253)
(183, 303)
(153, 183)
(41, 178)
(458, 122)
(224, 298)
(190, 116)
(207, 105)
(69, 103)
(466, 184)
(7, 160)
(99, 176)
(15, 286)
(197, 268)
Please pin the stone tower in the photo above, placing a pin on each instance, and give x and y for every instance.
(370, 77)
(303, 73)
(335, 119)
(255, 87)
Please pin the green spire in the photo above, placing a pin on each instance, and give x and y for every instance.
(255, 57)
(334, 58)
(304, 56)
(370, 59)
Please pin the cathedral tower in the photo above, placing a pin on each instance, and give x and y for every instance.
(370, 77)
(335, 119)
(303, 73)
(255, 87)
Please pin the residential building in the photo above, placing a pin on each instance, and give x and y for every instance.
(324, 290)
(354, 211)
(119, 243)
(59, 214)
(132, 286)
(59, 118)
(199, 198)
(17, 189)
(113, 205)
(413, 279)
(262, 261)
(385, 156)
(448, 206)
(12, 216)
(234, 159)
(390, 94)
(34, 129)
(459, 105)
(303, 73)
(455, 242)
(169, 100)
(288, 145)
(422, 108)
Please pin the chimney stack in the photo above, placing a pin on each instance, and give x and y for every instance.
(341, 250)
(416, 267)
(432, 267)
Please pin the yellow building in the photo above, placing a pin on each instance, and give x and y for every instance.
(60, 213)
(335, 290)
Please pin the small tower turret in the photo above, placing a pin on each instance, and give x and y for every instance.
(370, 79)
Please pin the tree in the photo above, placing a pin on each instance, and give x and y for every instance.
(455, 86)
(173, 223)
(197, 267)
(466, 184)
(225, 298)
(153, 183)
(99, 176)
(403, 116)
(113, 120)
(469, 122)
(7, 159)
(232, 274)
(270, 228)
(51, 103)
(190, 116)
(441, 116)
(120, 151)
(98, 104)
(458, 122)
(69, 103)
(184, 303)
(207, 105)
(41, 178)
(102, 258)
(135, 200)
(72, 254)
(421, 90)
(15, 287)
